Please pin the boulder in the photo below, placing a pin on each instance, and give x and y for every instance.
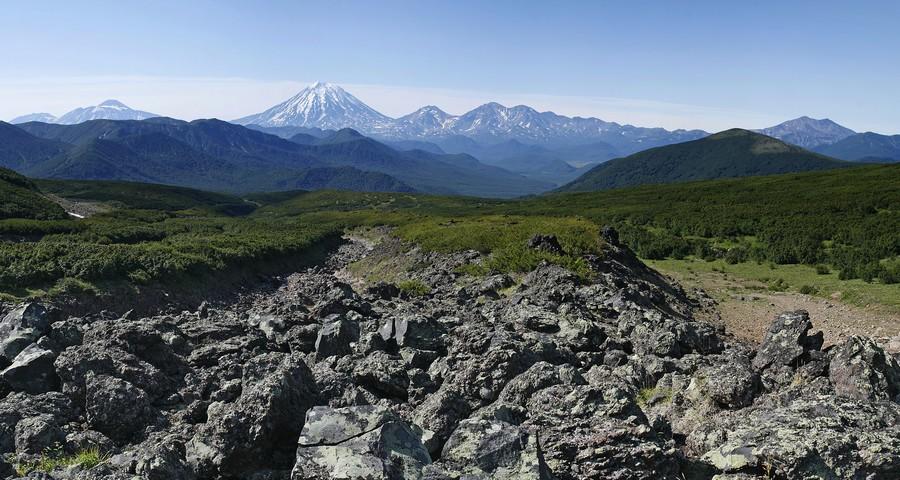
(384, 290)
(545, 243)
(438, 415)
(36, 434)
(116, 408)
(22, 327)
(32, 371)
(787, 340)
(860, 369)
(360, 443)
(336, 337)
(260, 427)
(492, 449)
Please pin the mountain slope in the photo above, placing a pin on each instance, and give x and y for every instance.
(34, 117)
(20, 198)
(18, 147)
(808, 132)
(321, 105)
(732, 153)
(865, 147)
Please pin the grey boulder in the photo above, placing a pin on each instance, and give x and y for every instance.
(22, 327)
(860, 369)
(32, 371)
(358, 443)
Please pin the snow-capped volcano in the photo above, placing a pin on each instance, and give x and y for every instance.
(108, 110)
(321, 105)
(808, 132)
(328, 106)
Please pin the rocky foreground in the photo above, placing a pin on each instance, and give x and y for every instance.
(477, 379)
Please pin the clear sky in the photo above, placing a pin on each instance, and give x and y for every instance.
(687, 64)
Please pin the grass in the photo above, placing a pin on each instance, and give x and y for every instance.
(793, 279)
(55, 459)
(652, 395)
(414, 288)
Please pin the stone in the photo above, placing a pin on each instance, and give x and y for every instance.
(364, 443)
(493, 449)
(116, 408)
(22, 327)
(787, 340)
(260, 427)
(34, 435)
(545, 243)
(413, 331)
(860, 369)
(32, 371)
(336, 337)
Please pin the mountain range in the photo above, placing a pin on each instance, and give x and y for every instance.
(728, 154)
(222, 156)
(107, 110)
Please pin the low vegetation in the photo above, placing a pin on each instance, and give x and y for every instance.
(840, 226)
(56, 459)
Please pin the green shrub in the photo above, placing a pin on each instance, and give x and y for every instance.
(415, 288)
(809, 290)
(779, 285)
(54, 459)
(822, 269)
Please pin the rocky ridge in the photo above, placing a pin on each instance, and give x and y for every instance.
(543, 377)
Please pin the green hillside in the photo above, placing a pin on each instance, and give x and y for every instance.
(20, 198)
(728, 154)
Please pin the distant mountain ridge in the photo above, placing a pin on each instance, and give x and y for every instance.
(808, 132)
(221, 156)
(328, 106)
(106, 110)
(727, 154)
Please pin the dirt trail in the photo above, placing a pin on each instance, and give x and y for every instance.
(747, 313)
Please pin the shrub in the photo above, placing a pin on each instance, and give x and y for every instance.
(54, 459)
(414, 288)
(822, 269)
(809, 290)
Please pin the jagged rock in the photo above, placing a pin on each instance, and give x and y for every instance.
(22, 327)
(258, 428)
(163, 460)
(36, 434)
(383, 375)
(538, 377)
(88, 439)
(860, 369)
(610, 235)
(545, 243)
(116, 408)
(492, 449)
(32, 371)
(787, 340)
(413, 331)
(812, 436)
(731, 385)
(438, 416)
(360, 443)
(20, 405)
(336, 337)
(384, 290)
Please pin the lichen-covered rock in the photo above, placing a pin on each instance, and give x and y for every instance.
(492, 449)
(116, 408)
(258, 428)
(22, 327)
(860, 369)
(32, 371)
(787, 340)
(36, 434)
(360, 443)
(336, 337)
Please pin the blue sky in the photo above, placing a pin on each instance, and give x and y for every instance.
(700, 64)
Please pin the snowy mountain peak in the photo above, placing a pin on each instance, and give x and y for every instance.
(808, 132)
(321, 105)
(107, 110)
(112, 103)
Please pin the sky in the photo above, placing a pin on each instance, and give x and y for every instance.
(676, 64)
